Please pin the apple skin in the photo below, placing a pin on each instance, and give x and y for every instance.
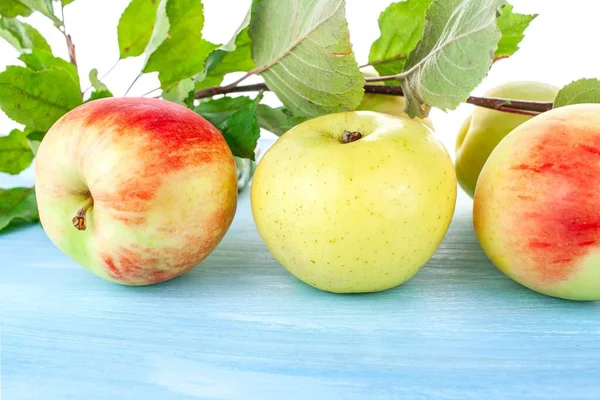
(387, 104)
(363, 216)
(484, 129)
(537, 203)
(163, 183)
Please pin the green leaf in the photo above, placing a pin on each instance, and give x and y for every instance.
(401, 26)
(512, 25)
(22, 36)
(99, 94)
(39, 60)
(14, 8)
(135, 27)
(34, 139)
(17, 204)
(37, 98)
(217, 111)
(180, 91)
(235, 118)
(276, 120)
(96, 84)
(15, 154)
(234, 56)
(581, 91)
(66, 2)
(177, 52)
(455, 54)
(42, 6)
(241, 131)
(303, 51)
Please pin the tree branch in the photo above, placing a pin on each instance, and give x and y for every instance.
(505, 105)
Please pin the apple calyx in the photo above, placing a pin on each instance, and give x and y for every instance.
(350, 136)
(79, 218)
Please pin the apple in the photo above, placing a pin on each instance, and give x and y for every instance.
(537, 203)
(136, 190)
(485, 128)
(354, 201)
(387, 104)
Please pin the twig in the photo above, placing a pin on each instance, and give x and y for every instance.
(110, 69)
(70, 45)
(505, 105)
(150, 91)
(215, 90)
(132, 83)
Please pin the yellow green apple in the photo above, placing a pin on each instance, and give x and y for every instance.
(537, 203)
(136, 190)
(392, 105)
(485, 128)
(354, 202)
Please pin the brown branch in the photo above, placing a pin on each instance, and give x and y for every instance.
(505, 105)
(215, 90)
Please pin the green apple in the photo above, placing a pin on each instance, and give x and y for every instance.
(484, 129)
(392, 105)
(136, 190)
(354, 202)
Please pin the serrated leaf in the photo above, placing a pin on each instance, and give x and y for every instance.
(512, 26)
(179, 51)
(578, 92)
(17, 204)
(135, 27)
(234, 56)
(401, 26)
(303, 51)
(37, 98)
(14, 8)
(455, 54)
(22, 36)
(96, 84)
(179, 92)
(15, 154)
(235, 118)
(276, 120)
(99, 94)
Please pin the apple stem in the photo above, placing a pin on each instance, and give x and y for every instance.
(79, 218)
(349, 137)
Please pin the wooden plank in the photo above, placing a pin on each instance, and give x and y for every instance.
(240, 327)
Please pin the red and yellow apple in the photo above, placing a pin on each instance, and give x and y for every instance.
(136, 190)
(354, 202)
(537, 203)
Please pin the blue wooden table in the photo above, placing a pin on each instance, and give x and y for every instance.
(240, 327)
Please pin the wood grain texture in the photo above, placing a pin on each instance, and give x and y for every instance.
(240, 327)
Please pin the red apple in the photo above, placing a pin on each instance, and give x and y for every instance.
(136, 190)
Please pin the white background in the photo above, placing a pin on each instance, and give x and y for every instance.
(561, 45)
